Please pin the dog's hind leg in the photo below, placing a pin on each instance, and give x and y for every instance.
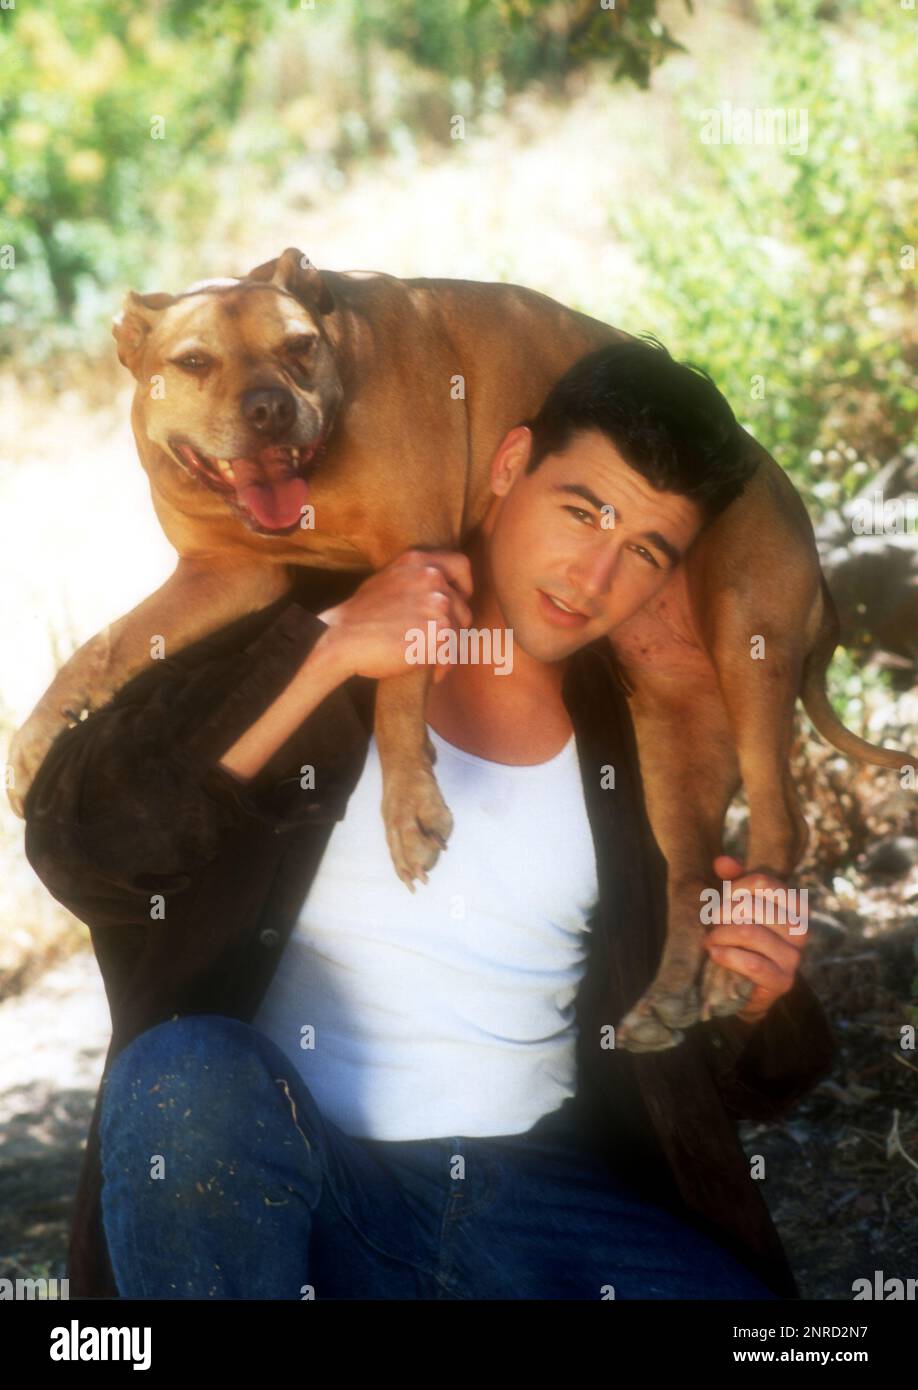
(198, 597)
(759, 673)
(689, 773)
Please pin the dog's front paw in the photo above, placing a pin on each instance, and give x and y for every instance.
(417, 820)
(723, 991)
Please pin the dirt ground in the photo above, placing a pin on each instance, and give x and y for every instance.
(53, 1040)
(842, 1191)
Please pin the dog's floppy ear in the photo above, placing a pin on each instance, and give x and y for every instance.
(294, 272)
(130, 328)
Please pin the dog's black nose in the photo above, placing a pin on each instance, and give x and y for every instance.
(269, 410)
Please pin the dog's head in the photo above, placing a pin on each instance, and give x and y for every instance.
(240, 384)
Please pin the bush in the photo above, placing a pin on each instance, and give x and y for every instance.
(516, 41)
(788, 275)
(87, 173)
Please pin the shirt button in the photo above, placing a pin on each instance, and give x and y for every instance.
(268, 936)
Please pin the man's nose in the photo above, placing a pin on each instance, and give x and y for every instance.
(591, 573)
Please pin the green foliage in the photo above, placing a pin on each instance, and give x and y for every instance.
(783, 272)
(515, 41)
(84, 178)
(857, 691)
(88, 179)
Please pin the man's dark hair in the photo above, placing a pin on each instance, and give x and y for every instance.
(667, 419)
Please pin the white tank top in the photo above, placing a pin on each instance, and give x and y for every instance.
(448, 1012)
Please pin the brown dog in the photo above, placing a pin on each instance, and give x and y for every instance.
(336, 420)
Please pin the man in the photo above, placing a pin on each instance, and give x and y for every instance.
(320, 1085)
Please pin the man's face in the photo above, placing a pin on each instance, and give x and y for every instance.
(548, 538)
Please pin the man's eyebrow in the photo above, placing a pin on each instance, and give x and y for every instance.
(662, 544)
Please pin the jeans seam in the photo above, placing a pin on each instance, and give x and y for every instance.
(453, 1212)
(426, 1269)
(341, 1204)
(389, 1254)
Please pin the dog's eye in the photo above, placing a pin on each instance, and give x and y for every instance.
(300, 346)
(192, 362)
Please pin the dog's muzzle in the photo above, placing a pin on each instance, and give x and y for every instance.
(267, 489)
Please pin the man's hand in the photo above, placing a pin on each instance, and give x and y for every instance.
(363, 636)
(764, 952)
(368, 632)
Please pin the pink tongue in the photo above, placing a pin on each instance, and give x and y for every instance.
(275, 504)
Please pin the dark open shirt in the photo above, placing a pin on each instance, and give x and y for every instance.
(131, 803)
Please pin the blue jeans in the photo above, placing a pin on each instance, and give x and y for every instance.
(222, 1179)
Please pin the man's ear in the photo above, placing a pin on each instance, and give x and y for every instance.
(295, 273)
(510, 458)
(131, 327)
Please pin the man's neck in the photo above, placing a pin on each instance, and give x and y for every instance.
(518, 717)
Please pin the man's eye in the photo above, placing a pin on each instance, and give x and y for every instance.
(647, 556)
(580, 511)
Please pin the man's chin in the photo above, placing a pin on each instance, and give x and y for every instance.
(547, 646)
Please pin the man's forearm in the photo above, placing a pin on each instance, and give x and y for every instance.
(323, 671)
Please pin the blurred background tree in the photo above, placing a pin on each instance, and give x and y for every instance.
(85, 171)
(112, 118)
(797, 268)
(515, 41)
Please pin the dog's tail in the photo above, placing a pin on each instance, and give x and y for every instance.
(819, 708)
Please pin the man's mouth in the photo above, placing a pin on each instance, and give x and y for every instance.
(267, 489)
(557, 611)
